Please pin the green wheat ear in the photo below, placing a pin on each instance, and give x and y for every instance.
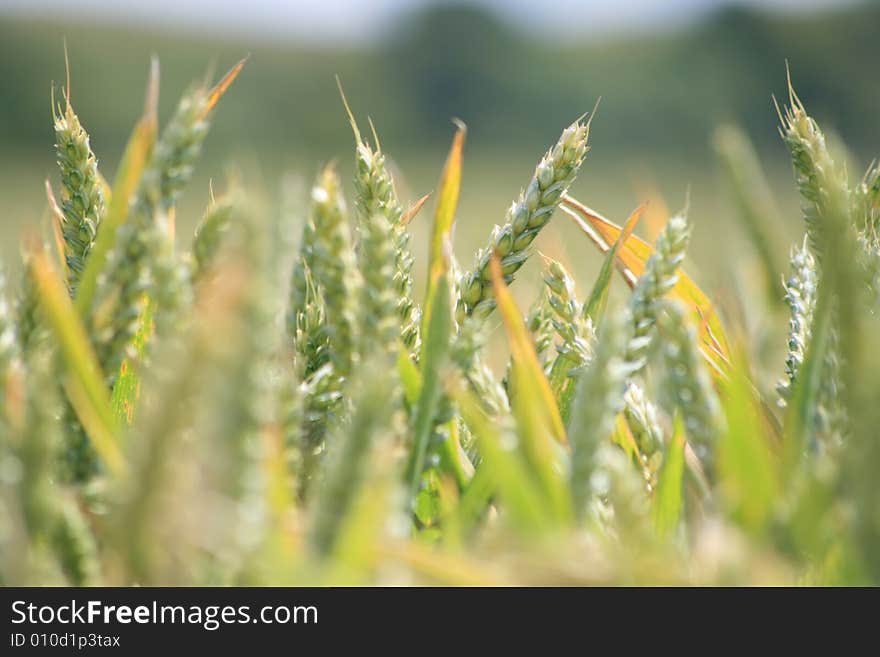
(210, 233)
(688, 383)
(576, 333)
(143, 258)
(597, 401)
(660, 275)
(821, 183)
(82, 199)
(800, 296)
(28, 322)
(325, 304)
(526, 217)
(333, 269)
(305, 307)
(539, 321)
(376, 197)
(378, 319)
(642, 417)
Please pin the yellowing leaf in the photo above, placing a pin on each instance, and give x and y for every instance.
(631, 261)
(534, 406)
(437, 323)
(220, 88)
(599, 296)
(83, 379)
(447, 203)
(522, 350)
(503, 470)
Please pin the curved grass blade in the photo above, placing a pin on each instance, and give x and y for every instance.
(595, 306)
(447, 202)
(435, 350)
(523, 353)
(437, 325)
(83, 381)
(539, 423)
(748, 477)
(631, 260)
(668, 501)
(220, 88)
(506, 471)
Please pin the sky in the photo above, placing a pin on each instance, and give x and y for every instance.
(361, 21)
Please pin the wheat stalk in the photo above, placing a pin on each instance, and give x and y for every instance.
(326, 292)
(305, 311)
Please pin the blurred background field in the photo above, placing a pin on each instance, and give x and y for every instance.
(516, 75)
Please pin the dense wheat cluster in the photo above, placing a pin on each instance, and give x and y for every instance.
(275, 403)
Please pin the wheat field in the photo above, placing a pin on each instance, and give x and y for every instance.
(282, 399)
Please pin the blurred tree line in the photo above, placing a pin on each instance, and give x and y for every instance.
(662, 93)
